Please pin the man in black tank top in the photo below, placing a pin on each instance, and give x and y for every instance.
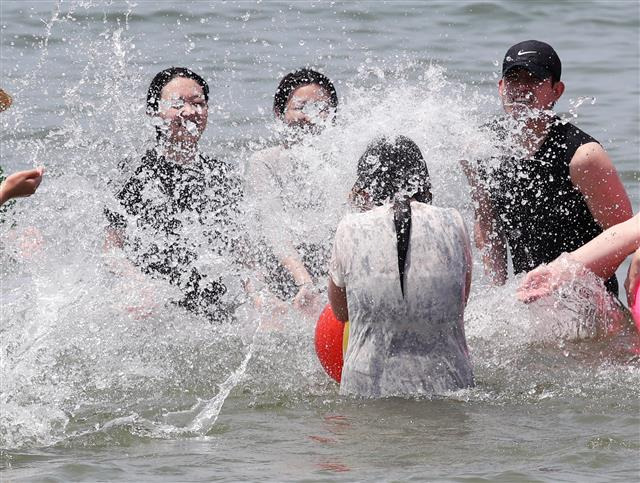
(559, 191)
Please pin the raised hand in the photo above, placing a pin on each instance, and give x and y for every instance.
(20, 184)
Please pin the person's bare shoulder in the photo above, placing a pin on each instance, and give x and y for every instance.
(594, 174)
(589, 156)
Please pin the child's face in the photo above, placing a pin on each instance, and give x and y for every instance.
(307, 106)
(184, 110)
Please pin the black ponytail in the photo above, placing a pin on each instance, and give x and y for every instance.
(402, 221)
(395, 171)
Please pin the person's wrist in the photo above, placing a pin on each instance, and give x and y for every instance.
(301, 279)
(307, 287)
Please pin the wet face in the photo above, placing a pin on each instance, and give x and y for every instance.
(307, 107)
(183, 110)
(524, 95)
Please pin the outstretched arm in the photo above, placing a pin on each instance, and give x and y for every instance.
(602, 256)
(487, 233)
(22, 183)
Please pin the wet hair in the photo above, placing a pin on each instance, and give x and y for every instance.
(393, 170)
(299, 78)
(163, 78)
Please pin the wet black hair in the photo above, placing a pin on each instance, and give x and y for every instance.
(395, 171)
(299, 78)
(163, 78)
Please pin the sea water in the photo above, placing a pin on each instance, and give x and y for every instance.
(100, 380)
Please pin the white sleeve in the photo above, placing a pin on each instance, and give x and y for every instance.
(264, 193)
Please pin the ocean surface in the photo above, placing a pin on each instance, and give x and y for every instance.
(92, 389)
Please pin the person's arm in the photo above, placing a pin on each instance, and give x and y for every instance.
(633, 278)
(115, 259)
(114, 238)
(488, 235)
(298, 271)
(602, 256)
(468, 262)
(307, 296)
(264, 190)
(593, 173)
(22, 183)
(338, 301)
(492, 242)
(337, 285)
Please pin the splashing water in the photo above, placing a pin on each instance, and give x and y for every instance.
(576, 103)
(87, 354)
(208, 415)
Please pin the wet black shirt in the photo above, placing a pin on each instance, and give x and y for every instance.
(180, 211)
(540, 211)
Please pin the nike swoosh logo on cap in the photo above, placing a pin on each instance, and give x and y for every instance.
(523, 52)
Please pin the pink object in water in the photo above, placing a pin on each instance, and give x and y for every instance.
(635, 308)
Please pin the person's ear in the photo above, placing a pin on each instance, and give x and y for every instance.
(558, 89)
(500, 86)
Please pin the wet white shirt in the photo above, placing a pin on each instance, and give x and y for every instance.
(285, 195)
(404, 346)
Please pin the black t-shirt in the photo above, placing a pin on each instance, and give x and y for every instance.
(168, 213)
(541, 213)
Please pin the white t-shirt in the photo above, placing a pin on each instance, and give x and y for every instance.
(288, 202)
(404, 346)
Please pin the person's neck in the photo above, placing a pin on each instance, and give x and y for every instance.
(535, 132)
(179, 152)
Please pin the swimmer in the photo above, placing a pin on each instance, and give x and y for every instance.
(173, 187)
(304, 101)
(557, 189)
(602, 256)
(400, 272)
(22, 183)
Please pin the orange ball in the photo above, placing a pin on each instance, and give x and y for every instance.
(330, 342)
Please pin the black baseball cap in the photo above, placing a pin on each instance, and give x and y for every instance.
(537, 57)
